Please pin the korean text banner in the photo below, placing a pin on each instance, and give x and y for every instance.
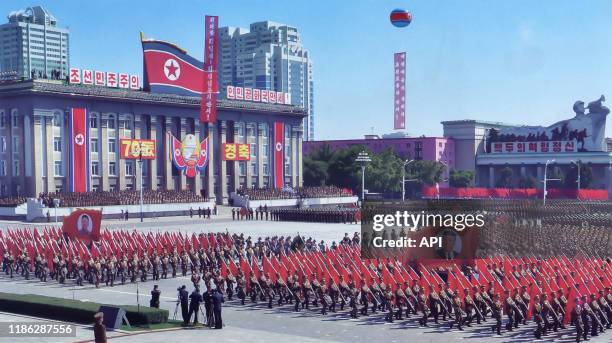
(208, 107)
(399, 119)
(137, 148)
(236, 152)
(79, 150)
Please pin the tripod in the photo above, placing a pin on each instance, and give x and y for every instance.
(178, 302)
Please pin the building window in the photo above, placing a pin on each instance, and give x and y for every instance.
(3, 144)
(111, 122)
(94, 145)
(129, 168)
(242, 167)
(57, 120)
(15, 168)
(265, 169)
(265, 150)
(418, 150)
(126, 124)
(57, 144)
(112, 146)
(112, 168)
(254, 169)
(2, 168)
(57, 167)
(16, 144)
(93, 122)
(15, 120)
(113, 188)
(95, 168)
(2, 120)
(95, 188)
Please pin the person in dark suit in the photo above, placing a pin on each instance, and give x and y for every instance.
(194, 305)
(217, 300)
(207, 297)
(184, 299)
(99, 328)
(155, 294)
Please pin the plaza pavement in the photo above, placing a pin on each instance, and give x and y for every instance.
(257, 323)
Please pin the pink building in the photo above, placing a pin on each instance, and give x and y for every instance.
(420, 148)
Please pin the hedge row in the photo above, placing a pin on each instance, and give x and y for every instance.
(73, 310)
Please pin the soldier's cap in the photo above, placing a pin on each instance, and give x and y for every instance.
(99, 315)
(183, 287)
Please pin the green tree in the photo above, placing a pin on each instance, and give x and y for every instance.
(586, 176)
(384, 173)
(505, 178)
(460, 178)
(422, 173)
(315, 172)
(527, 182)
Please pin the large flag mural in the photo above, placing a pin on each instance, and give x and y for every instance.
(189, 155)
(79, 150)
(83, 224)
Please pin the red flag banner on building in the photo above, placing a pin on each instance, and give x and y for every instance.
(83, 224)
(399, 119)
(208, 107)
(279, 161)
(79, 150)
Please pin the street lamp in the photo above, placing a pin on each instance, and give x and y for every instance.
(363, 157)
(141, 184)
(546, 179)
(578, 180)
(407, 162)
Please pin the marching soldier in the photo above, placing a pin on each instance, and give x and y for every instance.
(537, 317)
(496, 313)
(400, 298)
(434, 303)
(470, 308)
(389, 302)
(459, 313)
(510, 309)
(576, 318)
(422, 306)
(586, 318)
(606, 306)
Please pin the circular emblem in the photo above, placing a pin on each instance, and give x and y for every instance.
(79, 139)
(177, 152)
(279, 146)
(172, 69)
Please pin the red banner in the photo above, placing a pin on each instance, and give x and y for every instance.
(83, 224)
(399, 119)
(515, 193)
(79, 150)
(279, 161)
(208, 107)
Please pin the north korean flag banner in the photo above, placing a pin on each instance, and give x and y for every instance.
(79, 150)
(169, 69)
(279, 161)
(399, 119)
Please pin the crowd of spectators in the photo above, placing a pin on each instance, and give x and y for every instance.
(294, 193)
(12, 201)
(125, 197)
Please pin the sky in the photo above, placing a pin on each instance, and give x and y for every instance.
(523, 62)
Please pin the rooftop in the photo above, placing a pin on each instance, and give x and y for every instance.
(54, 87)
(475, 121)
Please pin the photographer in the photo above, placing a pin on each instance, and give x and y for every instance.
(155, 294)
(183, 297)
(194, 305)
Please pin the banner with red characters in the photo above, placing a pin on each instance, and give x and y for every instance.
(208, 108)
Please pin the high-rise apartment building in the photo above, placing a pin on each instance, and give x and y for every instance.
(268, 56)
(32, 45)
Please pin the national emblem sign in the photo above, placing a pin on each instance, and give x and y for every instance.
(189, 155)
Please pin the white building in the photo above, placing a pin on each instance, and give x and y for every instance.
(31, 44)
(269, 56)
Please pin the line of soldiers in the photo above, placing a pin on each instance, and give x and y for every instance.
(322, 215)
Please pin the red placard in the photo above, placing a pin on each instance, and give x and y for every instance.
(236, 152)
